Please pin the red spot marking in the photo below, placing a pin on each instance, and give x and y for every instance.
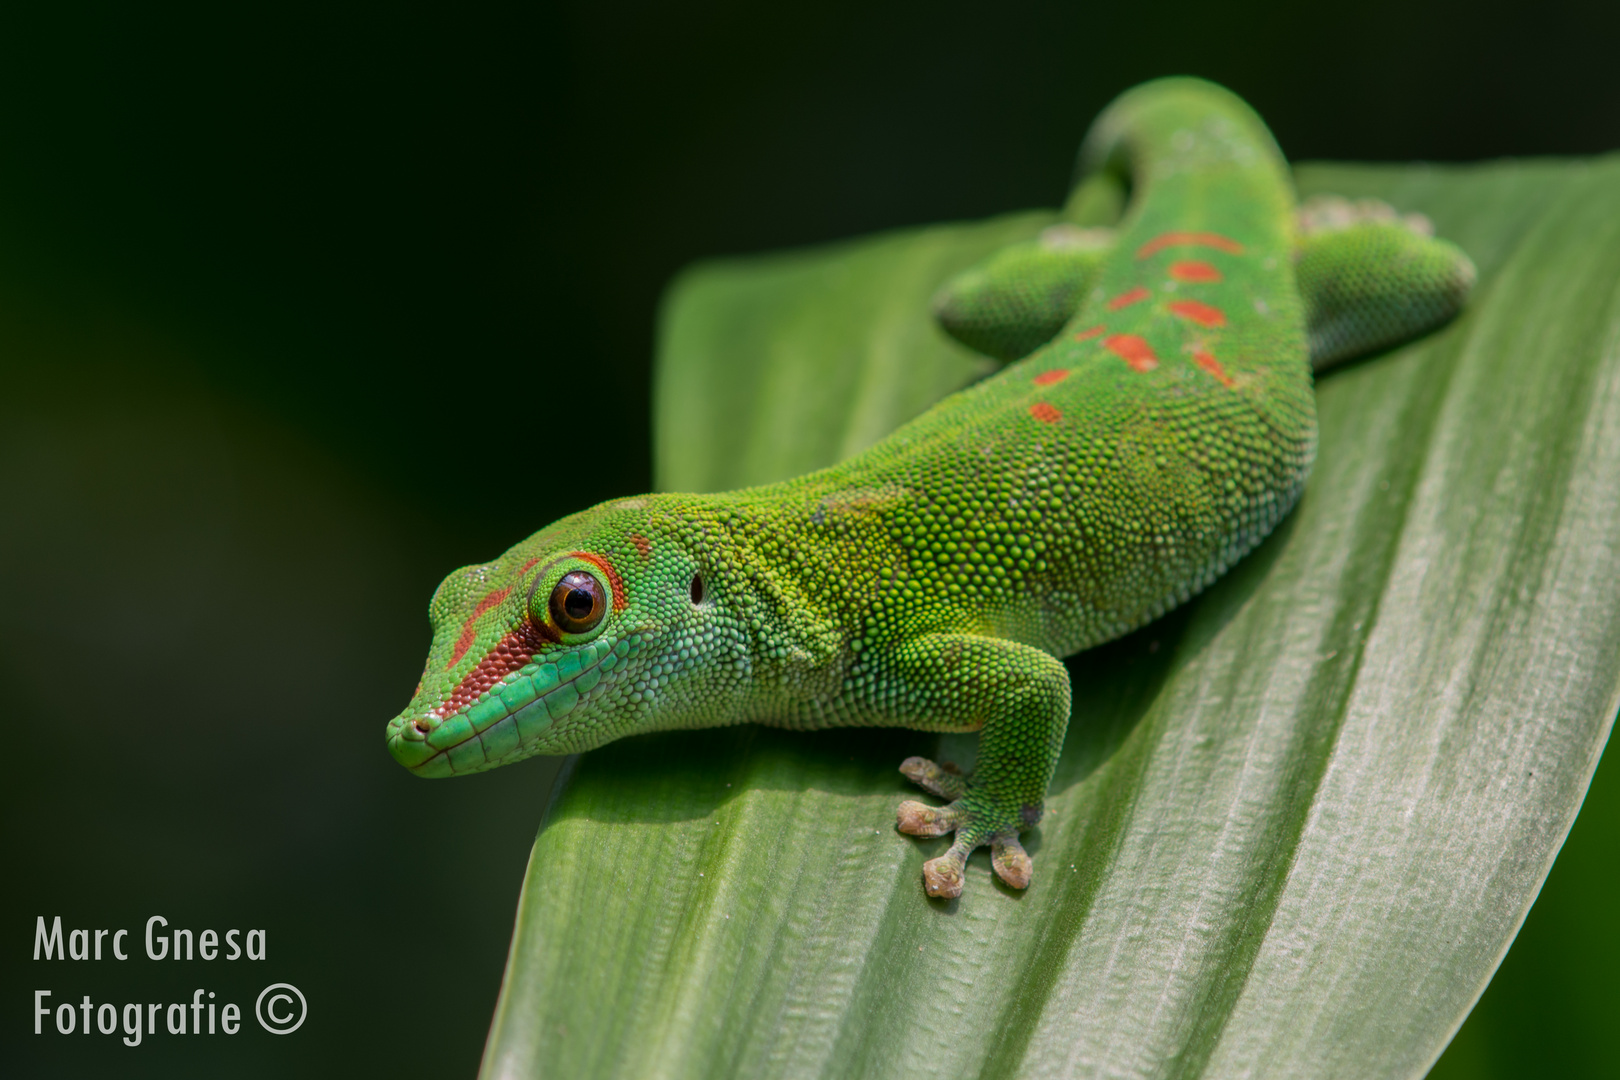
(1189, 239)
(1045, 413)
(1126, 299)
(643, 545)
(510, 653)
(1087, 335)
(1213, 366)
(1198, 312)
(528, 566)
(1133, 350)
(615, 583)
(1192, 270)
(468, 628)
(1047, 378)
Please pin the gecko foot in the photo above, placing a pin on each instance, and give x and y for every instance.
(975, 820)
(1330, 213)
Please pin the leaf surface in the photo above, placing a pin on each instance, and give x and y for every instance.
(1296, 823)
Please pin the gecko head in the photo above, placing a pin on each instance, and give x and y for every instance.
(606, 623)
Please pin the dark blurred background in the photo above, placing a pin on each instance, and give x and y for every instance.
(286, 300)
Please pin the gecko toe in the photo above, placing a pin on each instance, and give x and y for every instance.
(1010, 861)
(944, 780)
(916, 819)
(942, 877)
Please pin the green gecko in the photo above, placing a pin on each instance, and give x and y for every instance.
(935, 580)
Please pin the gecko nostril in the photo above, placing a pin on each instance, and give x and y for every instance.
(422, 726)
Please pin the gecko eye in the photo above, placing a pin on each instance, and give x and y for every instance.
(578, 603)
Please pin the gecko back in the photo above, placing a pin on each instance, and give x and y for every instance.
(1164, 431)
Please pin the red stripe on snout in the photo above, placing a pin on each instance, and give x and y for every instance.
(469, 628)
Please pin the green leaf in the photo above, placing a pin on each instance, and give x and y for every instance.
(1296, 823)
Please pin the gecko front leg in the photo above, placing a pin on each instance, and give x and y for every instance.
(1018, 698)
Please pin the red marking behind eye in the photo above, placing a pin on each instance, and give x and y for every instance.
(1045, 413)
(1200, 313)
(1189, 239)
(469, 629)
(528, 566)
(1126, 299)
(615, 583)
(510, 653)
(1213, 366)
(643, 545)
(1192, 270)
(1133, 350)
(1047, 378)
(1087, 335)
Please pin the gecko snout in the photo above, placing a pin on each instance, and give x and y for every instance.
(408, 741)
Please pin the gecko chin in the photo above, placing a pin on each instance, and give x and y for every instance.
(433, 747)
(469, 741)
(536, 709)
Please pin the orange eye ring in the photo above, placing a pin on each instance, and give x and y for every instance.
(578, 603)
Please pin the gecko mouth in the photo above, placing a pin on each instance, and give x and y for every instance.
(510, 721)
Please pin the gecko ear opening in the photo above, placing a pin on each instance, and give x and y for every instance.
(697, 589)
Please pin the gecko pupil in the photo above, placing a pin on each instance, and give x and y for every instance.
(577, 603)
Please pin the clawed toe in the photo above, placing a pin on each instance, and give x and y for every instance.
(942, 877)
(1010, 861)
(916, 819)
(944, 780)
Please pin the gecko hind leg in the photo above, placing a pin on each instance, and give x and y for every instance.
(1019, 298)
(1371, 277)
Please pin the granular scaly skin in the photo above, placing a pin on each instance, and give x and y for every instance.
(933, 581)
(1367, 279)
